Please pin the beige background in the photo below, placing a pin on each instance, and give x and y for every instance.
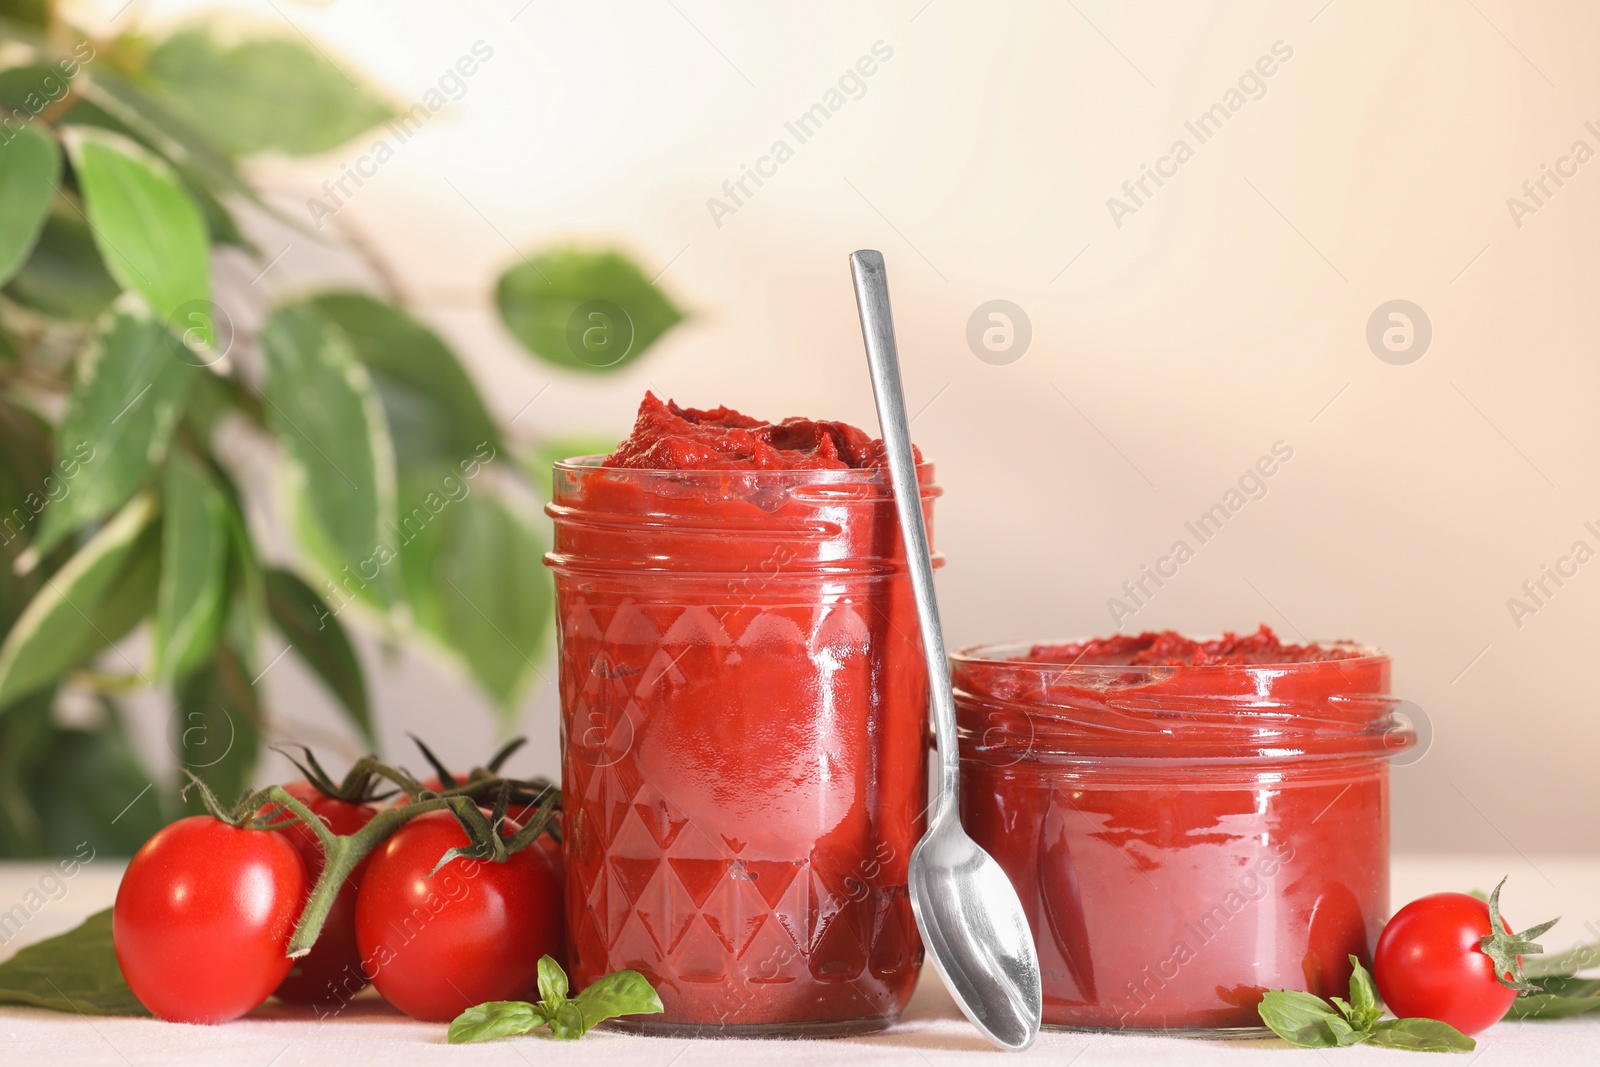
(1225, 314)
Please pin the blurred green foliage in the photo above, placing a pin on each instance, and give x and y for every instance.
(118, 365)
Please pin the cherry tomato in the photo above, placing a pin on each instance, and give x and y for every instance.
(203, 916)
(331, 971)
(473, 932)
(1428, 963)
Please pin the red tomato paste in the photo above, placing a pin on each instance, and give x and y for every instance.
(1189, 823)
(743, 722)
(668, 437)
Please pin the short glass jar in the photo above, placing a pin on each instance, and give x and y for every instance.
(744, 743)
(1184, 838)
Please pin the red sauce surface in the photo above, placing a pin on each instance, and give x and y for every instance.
(743, 723)
(1185, 834)
(1172, 649)
(668, 437)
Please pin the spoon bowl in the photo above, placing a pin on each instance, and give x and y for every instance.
(976, 933)
(968, 912)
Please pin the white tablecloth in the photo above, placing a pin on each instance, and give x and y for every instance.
(933, 1031)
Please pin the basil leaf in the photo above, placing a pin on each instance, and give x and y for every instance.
(589, 311)
(497, 1018)
(30, 165)
(1299, 1018)
(76, 972)
(1420, 1035)
(552, 983)
(567, 1023)
(617, 994)
(319, 639)
(148, 228)
(1343, 1033)
(1555, 1005)
(1363, 996)
(1563, 964)
(1364, 1009)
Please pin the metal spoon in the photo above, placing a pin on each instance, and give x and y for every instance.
(971, 919)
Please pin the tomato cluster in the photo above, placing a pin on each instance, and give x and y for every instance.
(205, 912)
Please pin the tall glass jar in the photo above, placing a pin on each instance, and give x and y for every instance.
(1184, 837)
(744, 708)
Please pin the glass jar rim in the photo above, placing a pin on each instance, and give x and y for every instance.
(1007, 653)
(770, 475)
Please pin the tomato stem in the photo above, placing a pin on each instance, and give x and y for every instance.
(342, 853)
(1507, 950)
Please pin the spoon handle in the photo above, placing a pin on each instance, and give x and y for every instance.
(877, 331)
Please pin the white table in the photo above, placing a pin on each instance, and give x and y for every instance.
(932, 1032)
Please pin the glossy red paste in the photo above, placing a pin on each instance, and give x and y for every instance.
(1189, 823)
(1171, 649)
(743, 723)
(667, 437)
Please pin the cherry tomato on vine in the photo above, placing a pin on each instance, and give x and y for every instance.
(203, 916)
(1428, 963)
(470, 933)
(331, 971)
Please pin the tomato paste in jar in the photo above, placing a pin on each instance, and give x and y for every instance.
(743, 722)
(1188, 823)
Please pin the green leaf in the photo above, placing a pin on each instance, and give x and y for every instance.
(1344, 1034)
(28, 483)
(30, 87)
(617, 994)
(35, 13)
(30, 167)
(192, 597)
(1299, 1018)
(64, 277)
(589, 311)
(315, 633)
(217, 727)
(96, 598)
(434, 412)
(25, 741)
(119, 418)
(148, 227)
(76, 972)
(1555, 1006)
(1420, 1035)
(109, 101)
(567, 1022)
(1569, 962)
(89, 785)
(247, 602)
(552, 983)
(321, 401)
(497, 1018)
(1363, 1007)
(261, 95)
(476, 581)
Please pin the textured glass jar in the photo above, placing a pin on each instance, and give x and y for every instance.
(744, 708)
(1184, 838)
